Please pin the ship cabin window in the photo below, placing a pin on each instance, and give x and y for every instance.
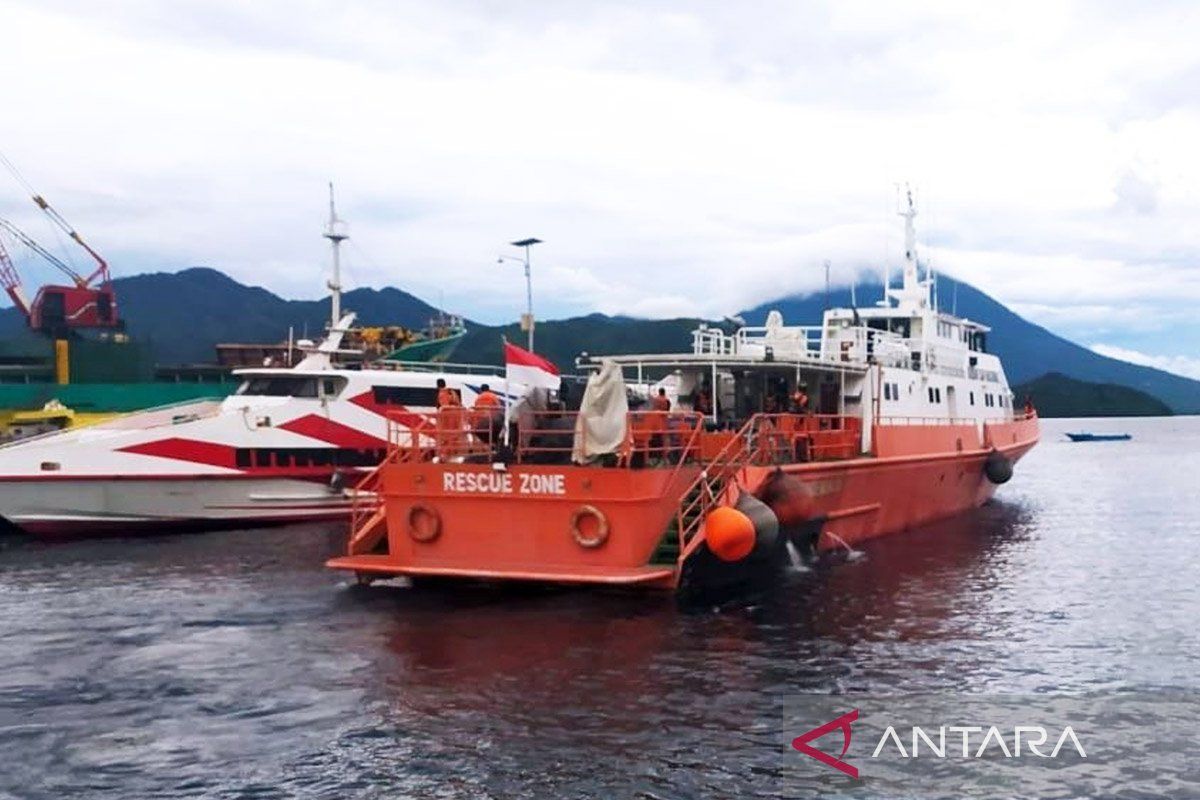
(935, 394)
(948, 330)
(280, 386)
(977, 341)
(332, 387)
(971, 397)
(887, 391)
(412, 396)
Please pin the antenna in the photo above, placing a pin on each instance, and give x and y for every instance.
(335, 232)
(827, 284)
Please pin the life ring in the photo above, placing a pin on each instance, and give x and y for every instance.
(424, 523)
(601, 534)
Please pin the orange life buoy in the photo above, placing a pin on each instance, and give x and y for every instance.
(424, 523)
(599, 537)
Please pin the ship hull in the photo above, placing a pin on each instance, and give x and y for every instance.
(860, 499)
(854, 501)
(430, 350)
(474, 521)
(77, 507)
(870, 497)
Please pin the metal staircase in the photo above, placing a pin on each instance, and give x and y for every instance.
(712, 485)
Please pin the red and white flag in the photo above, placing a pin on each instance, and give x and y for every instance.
(529, 369)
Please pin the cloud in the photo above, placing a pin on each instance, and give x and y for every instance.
(675, 157)
(1180, 365)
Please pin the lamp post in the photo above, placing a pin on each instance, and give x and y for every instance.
(526, 243)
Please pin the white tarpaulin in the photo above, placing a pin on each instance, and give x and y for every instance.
(603, 412)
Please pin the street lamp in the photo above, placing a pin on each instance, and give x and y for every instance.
(527, 321)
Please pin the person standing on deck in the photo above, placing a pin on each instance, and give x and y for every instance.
(486, 399)
(446, 396)
(487, 417)
(660, 404)
(451, 422)
(800, 400)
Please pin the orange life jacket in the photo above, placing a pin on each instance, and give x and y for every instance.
(487, 399)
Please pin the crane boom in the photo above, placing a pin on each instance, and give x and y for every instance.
(101, 271)
(26, 240)
(12, 282)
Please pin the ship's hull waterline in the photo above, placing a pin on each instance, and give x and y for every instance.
(77, 507)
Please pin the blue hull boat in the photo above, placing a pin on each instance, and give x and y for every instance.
(1099, 437)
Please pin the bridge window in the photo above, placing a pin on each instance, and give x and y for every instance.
(418, 396)
(279, 386)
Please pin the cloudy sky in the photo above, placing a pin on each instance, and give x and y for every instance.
(677, 158)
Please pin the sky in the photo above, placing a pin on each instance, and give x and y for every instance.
(676, 158)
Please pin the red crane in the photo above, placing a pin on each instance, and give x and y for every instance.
(57, 309)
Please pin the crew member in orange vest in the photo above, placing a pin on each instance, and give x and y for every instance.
(799, 400)
(451, 437)
(486, 399)
(487, 417)
(660, 404)
(446, 396)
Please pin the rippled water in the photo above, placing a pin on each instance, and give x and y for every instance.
(232, 664)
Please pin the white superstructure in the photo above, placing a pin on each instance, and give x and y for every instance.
(902, 359)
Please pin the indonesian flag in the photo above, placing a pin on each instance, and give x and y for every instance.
(529, 369)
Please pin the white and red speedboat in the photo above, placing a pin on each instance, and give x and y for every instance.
(281, 449)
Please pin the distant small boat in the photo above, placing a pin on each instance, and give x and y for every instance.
(1099, 437)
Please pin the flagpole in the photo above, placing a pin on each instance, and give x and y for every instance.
(507, 390)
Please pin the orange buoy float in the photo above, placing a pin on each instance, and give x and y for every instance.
(729, 533)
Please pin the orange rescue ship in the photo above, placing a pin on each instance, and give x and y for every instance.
(778, 438)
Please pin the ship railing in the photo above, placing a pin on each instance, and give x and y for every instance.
(437, 366)
(909, 420)
(365, 497)
(797, 438)
(791, 341)
(457, 434)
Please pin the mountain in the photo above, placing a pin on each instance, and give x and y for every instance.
(185, 314)
(1027, 350)
(562, 340)
(1056, 395)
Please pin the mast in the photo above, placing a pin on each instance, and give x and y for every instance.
(912, 294)
(910, 246)
(335, 232)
